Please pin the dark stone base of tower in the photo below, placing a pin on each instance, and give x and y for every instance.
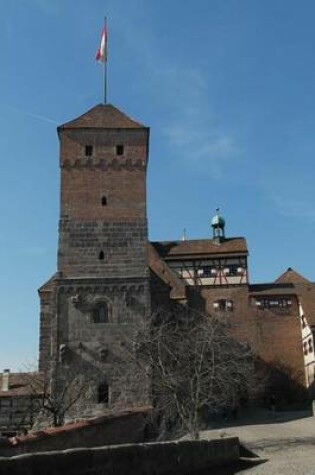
(79, 340)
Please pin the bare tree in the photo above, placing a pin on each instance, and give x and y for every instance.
(49, 405)
(193, 365)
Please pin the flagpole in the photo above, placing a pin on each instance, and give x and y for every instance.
(105, 62)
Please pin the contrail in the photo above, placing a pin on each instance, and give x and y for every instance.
(34, 116)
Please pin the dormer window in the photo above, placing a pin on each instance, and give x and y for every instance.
(88, 150)
(119, 149)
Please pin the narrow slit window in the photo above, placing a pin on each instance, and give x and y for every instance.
(119, 149)
(103, 393)
(101, 256)
(104, 201)
(88, 150)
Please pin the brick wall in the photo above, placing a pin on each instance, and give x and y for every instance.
(273, 334)
(87, 227)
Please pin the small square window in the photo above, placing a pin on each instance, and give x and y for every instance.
(88, 150)
(223, 304)
(119, 149)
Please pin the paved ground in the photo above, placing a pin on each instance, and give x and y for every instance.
(286, 440)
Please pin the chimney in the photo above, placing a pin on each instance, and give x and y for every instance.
(5, 380)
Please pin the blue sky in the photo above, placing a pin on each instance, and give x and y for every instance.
(228, 89)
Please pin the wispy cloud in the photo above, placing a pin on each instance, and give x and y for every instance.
(302, 207)
(190, 124)
(294, 197)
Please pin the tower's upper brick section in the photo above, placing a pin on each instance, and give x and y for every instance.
(102, 116)
(103, 225)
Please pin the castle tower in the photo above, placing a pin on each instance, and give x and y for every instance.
(102, 285)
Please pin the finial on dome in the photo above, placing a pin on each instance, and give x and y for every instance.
(218, 227)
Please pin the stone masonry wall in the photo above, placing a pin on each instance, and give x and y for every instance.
(123, 245)
(141, 459)
(99, 350)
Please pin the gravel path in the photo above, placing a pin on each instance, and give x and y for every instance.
(286, 440)
(298, 460)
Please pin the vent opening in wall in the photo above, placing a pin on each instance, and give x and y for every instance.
(104, 201)
(119, 149)
(101, 256)
(88, 150)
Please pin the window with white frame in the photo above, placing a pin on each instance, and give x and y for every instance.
(223, 304)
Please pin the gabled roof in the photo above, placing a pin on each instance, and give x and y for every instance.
(200, 248)
(162, 270)
(290, 276)
(102, 116)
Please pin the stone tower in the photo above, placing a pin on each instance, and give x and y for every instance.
(101, 288)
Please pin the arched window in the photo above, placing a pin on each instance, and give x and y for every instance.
(104, 201)
(101, 256)
(103, 393)
(101, 313)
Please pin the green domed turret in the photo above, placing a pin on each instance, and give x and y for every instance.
(217, 221)
(218, 226)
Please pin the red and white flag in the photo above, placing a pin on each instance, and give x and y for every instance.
(101, 53)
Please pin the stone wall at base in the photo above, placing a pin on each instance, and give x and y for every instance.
(125, 427)
(135, 459)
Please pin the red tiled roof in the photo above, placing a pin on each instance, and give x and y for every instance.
(52, 431)
(262, 290)
(102, 116)
(290, 276)
(162, 270)
(200, 247)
